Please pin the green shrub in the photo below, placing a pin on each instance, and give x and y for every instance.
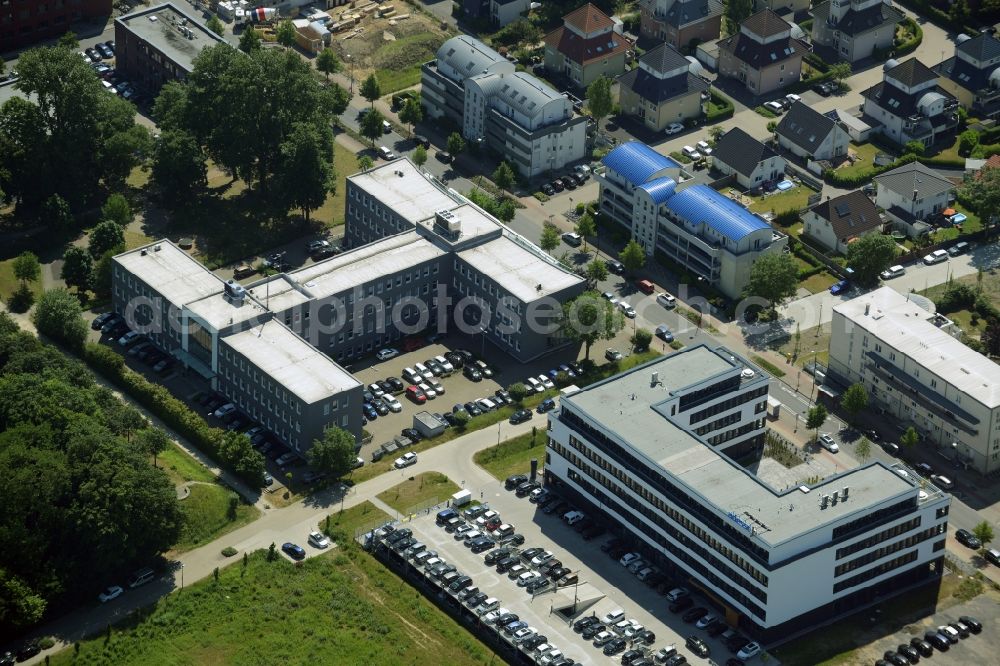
(861, 177)
(46, 643)
(229, 551)
(910, 45)
(767, 113)
(720, 107)
(786, 218)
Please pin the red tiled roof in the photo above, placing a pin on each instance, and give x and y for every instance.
(582, 51)
(588, 18)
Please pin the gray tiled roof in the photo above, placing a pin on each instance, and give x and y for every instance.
(766, 23)
(740, 151)
(983, 47)
(805, 127)
(915, 177)
(664, 58)
(685, 12)
(911, 72)
(857, 22)
(657, 90)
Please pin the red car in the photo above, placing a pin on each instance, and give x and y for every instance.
(416, 395)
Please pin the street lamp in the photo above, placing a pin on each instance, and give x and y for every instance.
(814, 352)
(182, 575)
(351, 60)
(482, 331)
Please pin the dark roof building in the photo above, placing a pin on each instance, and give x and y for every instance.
(855, 30)
(808, 133)
(678, 22)
(586, 46)
(763, 55)
(753, 162)
(834, 223)
(27, 22)
(662, 89)
(973, 74)
(910, 105)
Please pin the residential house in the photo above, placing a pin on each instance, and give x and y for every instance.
(680, 23)
(503, 12)
(752, 162)
(911, 194)
(789, 8)
(513, 113)
(837, 222)
(855, 29)
(763, 55)
(910, 105)
(972, 75)
(701, 230)
(662, 89)
(587, 46)
(807, 133)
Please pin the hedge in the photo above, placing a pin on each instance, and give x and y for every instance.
(839, 180)
(953, 162)
(911, 45)
(816, 62)
(719, 99)
(937, 16)
(160, 401)
(805, 84)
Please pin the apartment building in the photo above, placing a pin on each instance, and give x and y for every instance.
(513, 113)
(763, 55)
(655, 450)
(916, 372)
(972, 75)
(909, 105)
(663, 89)
(159, 44)
(707, 233)
(680, 23)
(587, 46)
(27, 22)
(855, 29)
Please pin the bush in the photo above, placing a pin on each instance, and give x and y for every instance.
(229, 551)
(861, 177)
(967, 142)
(720, 107)
(958, 296)
(786, 218)
(910, 45)
(46, 643)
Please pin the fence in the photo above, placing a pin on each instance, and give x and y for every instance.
(803, 175)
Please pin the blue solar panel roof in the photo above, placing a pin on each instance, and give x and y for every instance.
(660, 189)
(700, 203)
(636, 161)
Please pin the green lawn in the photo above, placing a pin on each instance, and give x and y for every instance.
(767, 113)
(866, 153)
(8, 284)
(420, 490)
(181, 467)
(206, 515)
(134, 239)
(796, 198)
(392, 80)
(342, 525)
(340, 608)
(331, 213)
(767, 365)
(812, 339)
(817, 283)
(514, 455)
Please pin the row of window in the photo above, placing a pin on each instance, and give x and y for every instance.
(894, 547)
(663, 508)
(703, 395)
(719, 423)
(874, 539)
(722, 437)
(881, 569)
(726, 405)
(870, 520)
(642, 529)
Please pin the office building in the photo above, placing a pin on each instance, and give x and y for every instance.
(158, 44)
(655, 450)
(700, 229)
(919, 374)
(27, 22)
(512, 113)
(423, 258)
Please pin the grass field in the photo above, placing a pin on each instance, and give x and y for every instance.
(866, 154)
(340, 608)
(207, 516)
(331, 213)
(796, 198)
(134, 239)
(810, 340)
(181, 467)
(349, 521)
(9, 284)
(513, 456)
(422, 489)
(398, 79)
(817, 283)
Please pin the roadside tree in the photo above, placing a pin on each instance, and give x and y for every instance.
(411, 113)
(854, 401)
(328, 62)
(773, 277)
(78, 268)
(870, 255)
(550, 237)
(633, 256)
(589, 318)
(815, 418)
(599, 100)
(910, 438)
(371, 89)
(106, 236)
(456, 144)
(586, 226)
(334, 454)
(596, 271)
(371, 125)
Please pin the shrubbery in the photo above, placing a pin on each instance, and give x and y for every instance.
(721, 107)
(859, 178)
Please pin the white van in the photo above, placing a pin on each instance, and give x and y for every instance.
(141, 577)
(573, 517)
(412, 376)
(534, 385)
(488, 605)
(486, 404)
(424, 372)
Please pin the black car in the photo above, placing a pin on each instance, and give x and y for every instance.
(457, 360)
(968, 539)
(592, 630)
(921, 646)
(937, 640)
(895, 659)
(909, 652)
(584, 622)
(825, 88)
(396, 384)
(974, 625)
(534, 642)
(924, 469)
(520, 416)
(514, 540)
(698, 646)
(472, 373)
(615, 266)
(632, 655)
(506, 619)
(515, 480)
(694, 614)
(681, 604)
(92, 54)
(525, 488)
(506, 563)
(497, 555)
(105, 51)
(422, 141)
(411, 433)
(101, 319)
(615, 646)
(548, 190)
(481, 544)
(963, 631)
(645, 637)
(460, 583)
(476, 599)
(537, 586)
(473, 409)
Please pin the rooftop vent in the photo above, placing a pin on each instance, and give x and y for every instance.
(962, 38)
(824, 501)
(156, 248)
(654, 378)
(142, 253)
(843, 493)
(234, 291)
(836, 496)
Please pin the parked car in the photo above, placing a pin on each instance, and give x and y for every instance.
(958, 248)
(935, 257)
(893, 272)
(405, 460)
(387, 353)
(520, 416)
(415, 394)
(294, 551)
(613, 355)
(826, 441)
(673, 128)
(840, 287)
(110, 593)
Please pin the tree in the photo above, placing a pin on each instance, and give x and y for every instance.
(371, 89)
(550, 237)
(854, 400)
(328, 62)
(78, 268)
(640, 339)
(990, 337)
(589, 318)
(518, 392)
(250, 41)
(959, 13)
(599, 100)
(840, 72)
(736, 12)
(285, 34)
(633, 256)
(335, 99)
(773, 277)
(983, 193)
(967, 142)
(455, 144)
(179, 167)
(104, 237)
(153, 442)
(411, 113)
(215, 25)
(596, 271)
(461, 419)
(3, 66)
(914, 147)
(910, 438)
(419, 156)
(20, 606)
(815, 418)
(715, 133)
(68, 41)
(371, 125)
(334, 454)
(236, 450)
(26, 267)
(307, 174)
(365, 162)
(103, 273)
(870, 255)
(503, 177)
(772, 125)
(984, 532)
(58, 315)
(863, 450)
(586, 226)
(57, 215)
(116, 209)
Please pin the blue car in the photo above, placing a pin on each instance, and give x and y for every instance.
(840, 287)
(294, 551)
(369, 411)
(546, 405)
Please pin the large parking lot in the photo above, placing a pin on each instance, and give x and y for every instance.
(603, 586)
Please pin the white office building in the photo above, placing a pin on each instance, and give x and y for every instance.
(916, 371)
(654, 450)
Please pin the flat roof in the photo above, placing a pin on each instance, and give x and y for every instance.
(171, 271)
(219, 311)
(474, 221)
(401, 186)
(277, 292)
(364, 264)
(905, 326)
(291, 361)
(629, 406)
(517, 269)
(161, 26)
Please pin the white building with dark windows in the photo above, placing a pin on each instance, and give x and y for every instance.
(915, 371)
(656, 449)
(518, 116)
